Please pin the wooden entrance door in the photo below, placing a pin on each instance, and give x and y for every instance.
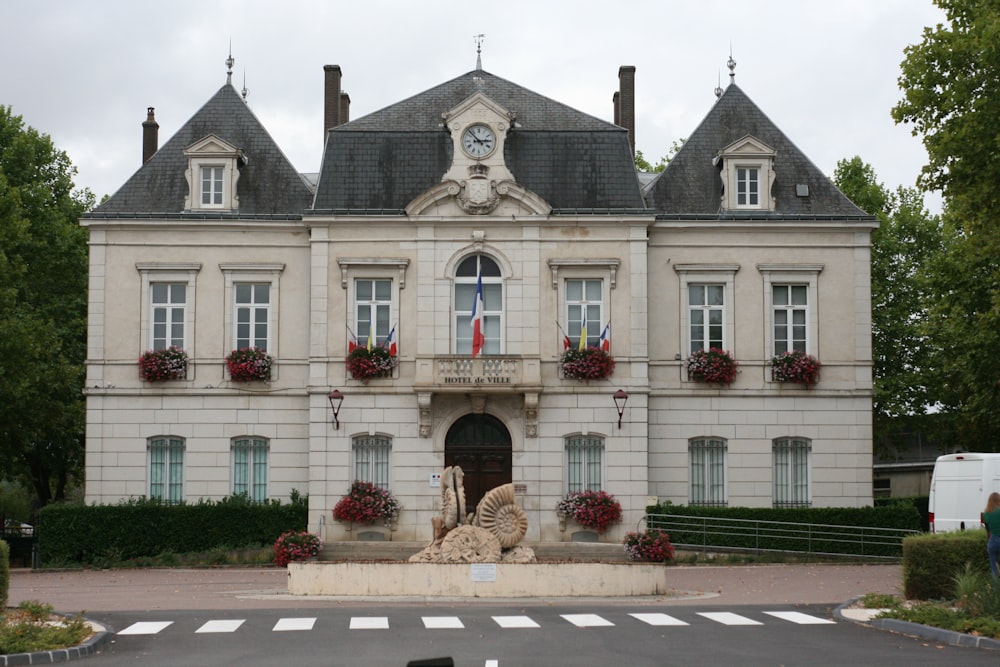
(481, 445)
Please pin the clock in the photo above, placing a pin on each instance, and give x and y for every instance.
(478, 141)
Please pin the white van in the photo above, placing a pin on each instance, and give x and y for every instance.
(959, 488)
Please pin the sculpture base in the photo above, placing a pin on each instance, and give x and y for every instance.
(478, 580)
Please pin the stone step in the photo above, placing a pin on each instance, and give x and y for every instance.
(578, 552)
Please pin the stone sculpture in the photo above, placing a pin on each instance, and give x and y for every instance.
(491, 535)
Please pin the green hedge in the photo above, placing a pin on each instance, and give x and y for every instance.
(840, 532)
(4, 575)
(96, 534)
(930, 562)
(920, 502)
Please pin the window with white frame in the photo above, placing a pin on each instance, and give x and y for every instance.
(706, 316)
(707, 471)
(168, 307)
(371, 459)
(250, 468)
(747, 187)
(166, 468)
(584, 463)
(707, 312)
(211, 186)
(253, 315)
(466, 275)
(584, 303)
(791, 472)
(791, 291)
(372, 309)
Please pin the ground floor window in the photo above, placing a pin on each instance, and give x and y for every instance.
(250, 468)
(791, 472)
(584, 455)
(708, 471)
(166, 469)
(371, 459)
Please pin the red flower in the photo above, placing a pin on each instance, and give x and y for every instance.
(651, 545)
(366, 503)
(168, 364)
(713, 366)
(249, 363)
(592, 363)
(364, 364)
(591, 509)
(795, 366)
(296, 545)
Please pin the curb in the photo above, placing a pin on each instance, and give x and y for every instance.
(84, 650)
(920, 631)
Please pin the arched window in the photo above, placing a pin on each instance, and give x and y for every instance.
(584, 465)
(371, 459)
(466, 277)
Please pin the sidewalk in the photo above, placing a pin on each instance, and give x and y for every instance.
(266, 588)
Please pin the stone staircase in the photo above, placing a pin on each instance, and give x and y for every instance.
(577, 552)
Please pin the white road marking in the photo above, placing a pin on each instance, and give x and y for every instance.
(728, 618)
(515, 622)
(442, 622)
(145, 628)
(229, 625)
(658, 619)
(587, 620)
(292, 624)
(369, 623)
(800, 618)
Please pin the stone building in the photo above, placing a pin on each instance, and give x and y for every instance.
(479, 186)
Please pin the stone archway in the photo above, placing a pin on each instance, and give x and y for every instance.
(481, 445)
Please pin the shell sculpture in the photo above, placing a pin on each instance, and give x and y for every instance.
(470, 544)
(500, 514)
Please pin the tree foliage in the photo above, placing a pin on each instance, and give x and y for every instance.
(951, 97)
(642, 164)
(43, 311)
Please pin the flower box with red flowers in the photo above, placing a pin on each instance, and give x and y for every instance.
(652, 545)
(364, 364)
(166, 364)
(366, 504)
(795, 366)
(598, 510)
(714, 366)
(249, 363)
(296, 545)
(592, 363)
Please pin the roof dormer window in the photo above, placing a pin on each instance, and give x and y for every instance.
(212, 173)
(747, 173)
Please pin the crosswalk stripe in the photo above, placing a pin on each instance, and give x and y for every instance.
(442, 622)
(728, 618)
(292, 624)
(369, 623)
(515, 622)
(659, 619)
(229, 625)
(800, 618)
(587, 620)
(145, 628)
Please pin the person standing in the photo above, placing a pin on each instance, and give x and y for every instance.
(991, 517)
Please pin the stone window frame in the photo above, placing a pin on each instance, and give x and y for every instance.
(791, 274)
(589, 445)
(252, 445)
(185, 273)
(798, 452)
(234, 274)
(170, 446)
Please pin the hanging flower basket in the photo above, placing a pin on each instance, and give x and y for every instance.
(294, 546)
(159, 365)
(592, 363)
(591, 509)
(366, 503)
(249, 363)
(364, 364)
(713, 366)
(795, 366)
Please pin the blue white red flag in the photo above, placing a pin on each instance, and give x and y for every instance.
(390, 342)
(605, 343)
(478, 339)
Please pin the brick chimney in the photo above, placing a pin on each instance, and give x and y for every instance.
(150, 136)
(332, 102)
(345, 107)
(625, 102)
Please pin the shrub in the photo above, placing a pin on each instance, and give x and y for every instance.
(364, 364)
(931, 561)
(4, 574)
(296, 545)
(366, 503)
(651, 545)
(249, 363)
(795, 366)
(713, 366)
(160, 365)
(592, 509)
(591, 363)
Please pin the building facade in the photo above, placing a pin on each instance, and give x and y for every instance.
(479, 229)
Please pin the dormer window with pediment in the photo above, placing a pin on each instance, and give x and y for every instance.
(212, 173)
(747, 173)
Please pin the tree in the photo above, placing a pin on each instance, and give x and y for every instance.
(43, 311)
(951, 97)
(907, 238)
(642, 164)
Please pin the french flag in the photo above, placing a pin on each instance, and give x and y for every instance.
(390, 342)
(352, 341)
(605, 343)
(478, 339)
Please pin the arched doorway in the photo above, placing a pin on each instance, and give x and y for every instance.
(481, 445)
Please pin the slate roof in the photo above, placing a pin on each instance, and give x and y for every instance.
(691, 186)
(268, 183)
(387, 158)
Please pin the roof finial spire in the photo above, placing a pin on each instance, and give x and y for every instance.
(718, 87)
(229, 64)
(731, 64)
(245, 91)
(479, 49)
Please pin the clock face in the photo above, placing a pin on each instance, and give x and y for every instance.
(478, 141)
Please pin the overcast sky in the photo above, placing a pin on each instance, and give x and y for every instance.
(825, 72)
